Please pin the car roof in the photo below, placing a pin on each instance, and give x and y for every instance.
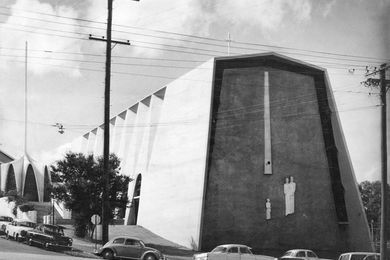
(365, 253)
(127, 237)
(230, 245)
(23, 220)
(53, 226)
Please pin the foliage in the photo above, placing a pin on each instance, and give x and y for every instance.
(13, 195)
(370, 193)
(80, 187)
(26, 207)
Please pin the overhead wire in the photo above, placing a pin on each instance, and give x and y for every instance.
(213, 39)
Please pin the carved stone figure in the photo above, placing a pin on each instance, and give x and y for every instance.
(289, 195)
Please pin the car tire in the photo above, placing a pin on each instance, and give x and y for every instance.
(7, 235)
(108, 254)
(17, 238)
(150, 257)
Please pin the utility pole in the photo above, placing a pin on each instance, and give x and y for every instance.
(384, 192)
(106, 137)
(382, 83)
(25, 99)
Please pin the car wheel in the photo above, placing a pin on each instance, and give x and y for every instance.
(150, 257)
(108, 254)
(17, 238)
(7, 235)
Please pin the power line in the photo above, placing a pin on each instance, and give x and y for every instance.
(208, 39)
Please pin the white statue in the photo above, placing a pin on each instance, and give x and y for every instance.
(289, 192)
(268, 209)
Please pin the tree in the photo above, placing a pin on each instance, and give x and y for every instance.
(370, 193)
(80, 186)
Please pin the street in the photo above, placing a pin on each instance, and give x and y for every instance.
(10, 249)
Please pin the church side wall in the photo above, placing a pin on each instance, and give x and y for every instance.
(172, 185)
(356, 216)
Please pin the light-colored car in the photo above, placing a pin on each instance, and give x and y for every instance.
(18, 228)
(4, 221)
(128, 247)
(231, 252)
(299, 254)
(360, 256)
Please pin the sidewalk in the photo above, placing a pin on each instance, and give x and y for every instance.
(83, 247)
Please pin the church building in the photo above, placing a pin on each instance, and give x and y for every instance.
(242, 149)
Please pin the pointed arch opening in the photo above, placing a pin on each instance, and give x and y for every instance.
(10, 183)
(46, 186)
(30, 192)
(135, 201)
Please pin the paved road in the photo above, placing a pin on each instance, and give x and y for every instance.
(12, 250)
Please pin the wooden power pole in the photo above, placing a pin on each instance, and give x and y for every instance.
(106, 137)
(382, 83)
(384, 192)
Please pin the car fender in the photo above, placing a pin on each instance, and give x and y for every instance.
(149, 252)
(110, 248)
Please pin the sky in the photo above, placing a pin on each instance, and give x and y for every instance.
(65, 70)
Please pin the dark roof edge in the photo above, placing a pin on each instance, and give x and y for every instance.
(274, 54)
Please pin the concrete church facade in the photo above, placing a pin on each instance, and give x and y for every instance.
(245, 149)
(26, 176)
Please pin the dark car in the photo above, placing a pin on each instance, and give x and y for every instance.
(128, 247)
(49, 236)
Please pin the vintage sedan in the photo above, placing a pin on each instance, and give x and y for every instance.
(360, 256)
(299, 254)
(231, 252)
(49, 236)
(18, 228)
(128, 247)
(4, 221)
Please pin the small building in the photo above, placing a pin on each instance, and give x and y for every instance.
(5, 158)
(27, 177)
(243, 149)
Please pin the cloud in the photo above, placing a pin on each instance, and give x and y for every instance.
(40, 36)
(197, 17)
(49, 157)
(328, 7)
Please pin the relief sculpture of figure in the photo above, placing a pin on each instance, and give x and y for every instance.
(289, 192)
(268, 209)
(292, 195)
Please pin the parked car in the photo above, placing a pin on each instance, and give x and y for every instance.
(4, 221)
(360, 256)
(18, 228)
(49, 236)
(128, 247)
(299, 254)
(231, 252)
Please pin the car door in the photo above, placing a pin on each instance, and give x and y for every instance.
(233, 253)
(311, 256)
(301, 255)
(246, 254)
(119, 245)
(132, 249)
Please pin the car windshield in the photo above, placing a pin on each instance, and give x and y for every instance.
(358, 256)
(245, 250)
(7, 219)
(288, 253)
(26, 224)
(219, 249)
(372, 257)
